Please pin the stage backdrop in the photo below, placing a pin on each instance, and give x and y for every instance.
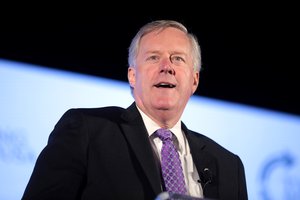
(33, 98)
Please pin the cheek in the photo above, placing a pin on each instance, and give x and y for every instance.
(146, 75)
(143, 78)
(189, 83)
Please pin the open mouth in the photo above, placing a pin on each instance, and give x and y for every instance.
(165, 85)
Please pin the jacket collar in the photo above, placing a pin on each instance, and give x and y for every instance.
(136, 134)
(204, 161)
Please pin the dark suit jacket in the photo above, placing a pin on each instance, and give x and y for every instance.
(105, 153)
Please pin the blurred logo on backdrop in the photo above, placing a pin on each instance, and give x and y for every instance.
(279, 178)
(14, 147)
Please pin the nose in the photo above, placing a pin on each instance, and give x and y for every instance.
(166, 66)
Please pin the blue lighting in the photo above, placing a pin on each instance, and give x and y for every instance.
(33, 98)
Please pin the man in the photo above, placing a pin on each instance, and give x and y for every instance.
(114, 153)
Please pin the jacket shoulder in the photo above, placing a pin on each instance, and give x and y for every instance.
(211, 145)
(109, 112)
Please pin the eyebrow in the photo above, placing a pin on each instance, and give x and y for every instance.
(172, 52)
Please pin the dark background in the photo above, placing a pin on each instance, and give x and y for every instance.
(248, 58)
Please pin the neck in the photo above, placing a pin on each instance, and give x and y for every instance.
(164, 118)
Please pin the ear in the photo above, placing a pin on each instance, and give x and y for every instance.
(131, 76)
(195, 81)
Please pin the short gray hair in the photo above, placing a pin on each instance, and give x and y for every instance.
(160, 25)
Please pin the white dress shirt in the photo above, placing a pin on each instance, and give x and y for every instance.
(189, 169)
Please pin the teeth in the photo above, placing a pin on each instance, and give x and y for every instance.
(165, 85)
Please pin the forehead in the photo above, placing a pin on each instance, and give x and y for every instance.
(168, 39)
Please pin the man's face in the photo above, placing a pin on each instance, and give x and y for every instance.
(164, 78)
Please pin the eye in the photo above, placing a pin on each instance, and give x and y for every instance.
(177, 60)
(153, 58)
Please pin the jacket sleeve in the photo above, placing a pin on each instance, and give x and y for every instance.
(59, 172)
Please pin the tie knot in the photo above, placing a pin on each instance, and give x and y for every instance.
(164, 134)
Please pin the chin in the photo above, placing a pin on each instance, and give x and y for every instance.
(164, 106)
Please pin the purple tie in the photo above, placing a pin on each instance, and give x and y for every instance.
(170, 164)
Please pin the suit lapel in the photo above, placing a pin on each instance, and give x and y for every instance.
(205, 163)
(136, 134)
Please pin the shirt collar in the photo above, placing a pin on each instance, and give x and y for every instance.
(151, 127)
